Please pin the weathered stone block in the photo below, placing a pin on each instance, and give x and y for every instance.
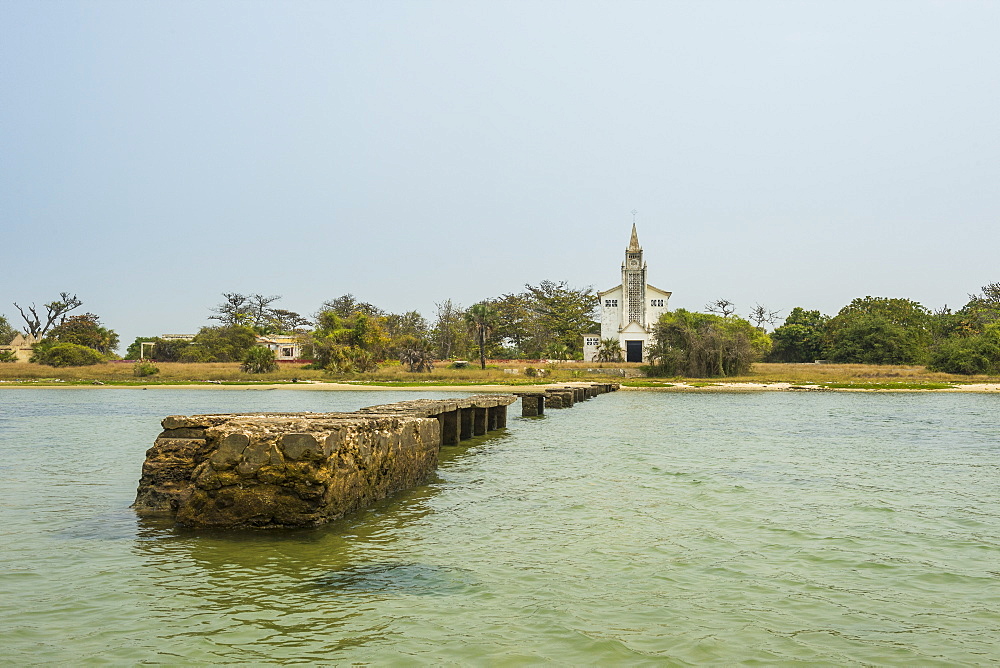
(229, 451)
(300, 446)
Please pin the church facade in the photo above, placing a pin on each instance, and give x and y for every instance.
(628, 311)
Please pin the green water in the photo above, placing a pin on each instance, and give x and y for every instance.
(636, 528)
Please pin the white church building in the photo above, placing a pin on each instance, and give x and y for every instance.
(629, 311)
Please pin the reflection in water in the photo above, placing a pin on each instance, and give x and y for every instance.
(770, 528)
(397, 578)
(264, 585)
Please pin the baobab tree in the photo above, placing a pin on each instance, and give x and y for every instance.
(55, 314)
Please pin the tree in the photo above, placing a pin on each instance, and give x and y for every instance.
(410, 323)
(564, 314)
(703, 345)
(481, 321)
(945, 324)
(981, 310)
(259, 360)
(800, 338)
(516, 323)
(968, 341)
(346, 305)
(84, 330)
(449, 334)
(286, 322)
(66, 354)
(134, 350)
(609, 350)
(879, 330)
(227, 343)
(348, 344)
(55, 313)
(969, 354)
(759, 315)
(177, 350)
(7, 331)
(415, 352)
(255, 311)
(234, 311)
(722, 307)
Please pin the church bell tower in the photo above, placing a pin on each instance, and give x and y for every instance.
(634, 283)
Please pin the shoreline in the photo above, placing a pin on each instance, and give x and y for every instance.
(703, 387)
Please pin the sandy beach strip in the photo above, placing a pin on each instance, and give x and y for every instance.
(704, 386)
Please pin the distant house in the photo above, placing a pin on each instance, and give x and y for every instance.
(21, 345)
(286, 347)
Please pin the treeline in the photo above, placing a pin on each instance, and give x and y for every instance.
(873, 330)
(547, 320)
(544, 321)
(869, 330)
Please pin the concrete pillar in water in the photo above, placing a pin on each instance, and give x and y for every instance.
(497, 418)
(553, 399)
(569, 397)
(479, 425)
(532, 405)
(450, 433)
(559, 398)
(467, 418)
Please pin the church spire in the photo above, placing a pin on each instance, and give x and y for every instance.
(633, 244)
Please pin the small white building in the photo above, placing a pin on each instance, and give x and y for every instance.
(629, 311)
(286, 347)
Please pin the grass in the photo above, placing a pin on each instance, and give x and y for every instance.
(853, 373)
(888, 386)
(833, 376)
(173, 373)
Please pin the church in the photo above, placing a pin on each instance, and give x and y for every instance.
(628, 311)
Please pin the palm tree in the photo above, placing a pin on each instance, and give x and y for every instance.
(609, 350)
(416, 352)
(481, 320)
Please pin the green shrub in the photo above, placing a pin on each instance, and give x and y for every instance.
(705, 345)
(66, 354)
(220, 344)
(259, 360)
(800, 339)
(195, 353)
(8, 356)
(877, 330)
(143, 369)
(968, 354)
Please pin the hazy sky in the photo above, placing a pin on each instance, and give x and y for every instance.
(154, 155)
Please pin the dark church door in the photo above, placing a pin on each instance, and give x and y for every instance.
(633, 351)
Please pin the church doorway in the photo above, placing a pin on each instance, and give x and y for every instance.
(633, 351)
